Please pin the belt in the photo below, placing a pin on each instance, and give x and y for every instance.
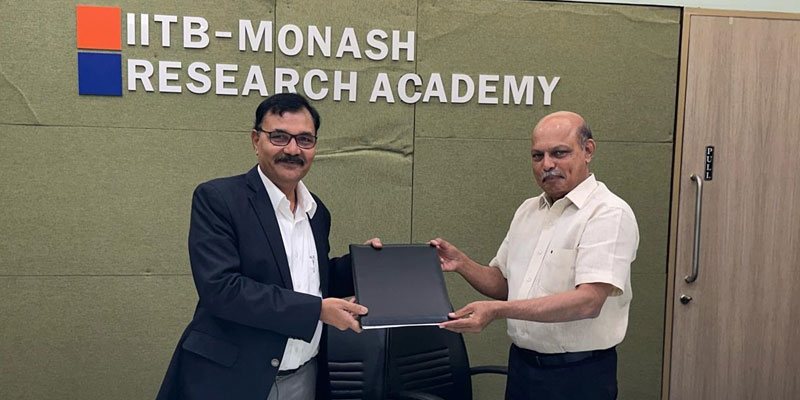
(559, 359)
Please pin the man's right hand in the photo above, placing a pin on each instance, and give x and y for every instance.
(340, 313)
(487, 280)
(450, 256)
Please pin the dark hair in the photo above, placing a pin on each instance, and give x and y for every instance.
(285, 102)
(584, 133)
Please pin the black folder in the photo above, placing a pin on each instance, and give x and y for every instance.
(401, 285)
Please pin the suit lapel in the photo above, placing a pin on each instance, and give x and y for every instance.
(318, 229)
(259, 200)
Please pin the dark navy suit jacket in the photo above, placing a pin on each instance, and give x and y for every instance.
(247, 309)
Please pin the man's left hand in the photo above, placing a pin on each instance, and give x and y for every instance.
(472, 318)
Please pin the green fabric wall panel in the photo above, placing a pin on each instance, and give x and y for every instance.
(100, 201)
(362, 16)
(38, 43)
(38, 63)
(489, 386)
(618, 65)
(79, 337)
(105, 201)
(358, 125)
(466, 191)
(641, 353)
(368, 194)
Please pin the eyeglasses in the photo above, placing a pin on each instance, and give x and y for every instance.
(281, 138)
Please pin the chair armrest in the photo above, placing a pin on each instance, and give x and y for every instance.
(489, 369)
(405, 394)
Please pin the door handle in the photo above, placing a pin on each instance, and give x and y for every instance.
(698, 209)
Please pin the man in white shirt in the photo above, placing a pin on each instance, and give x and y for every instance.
(258, 246)
(561, 276)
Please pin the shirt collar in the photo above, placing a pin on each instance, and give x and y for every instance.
(578, 196)
(305, 202)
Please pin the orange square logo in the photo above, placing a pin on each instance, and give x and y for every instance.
(99, 28)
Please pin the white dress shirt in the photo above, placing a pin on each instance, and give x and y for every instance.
(301, 252)
(588, 236)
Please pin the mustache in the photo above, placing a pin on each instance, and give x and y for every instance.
(290, 159)
(552, 173)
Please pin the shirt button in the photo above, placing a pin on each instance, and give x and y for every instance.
(275, 362)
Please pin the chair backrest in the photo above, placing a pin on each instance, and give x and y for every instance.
(428, 359)
(357, 364)
(377, 363)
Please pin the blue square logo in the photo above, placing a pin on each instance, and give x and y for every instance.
(99, 74)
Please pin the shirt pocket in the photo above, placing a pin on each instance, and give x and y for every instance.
(558, 271)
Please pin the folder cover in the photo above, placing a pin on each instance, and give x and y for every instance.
(401, 285)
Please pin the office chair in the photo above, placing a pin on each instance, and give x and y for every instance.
(357, 364)
(431, 360)
(422, 363)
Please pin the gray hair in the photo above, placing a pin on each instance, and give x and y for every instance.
(585, 133)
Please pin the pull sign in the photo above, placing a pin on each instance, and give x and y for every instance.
(709, 162)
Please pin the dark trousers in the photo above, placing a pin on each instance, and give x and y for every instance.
(579, 376)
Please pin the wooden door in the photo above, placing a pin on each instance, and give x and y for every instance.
(735, 330)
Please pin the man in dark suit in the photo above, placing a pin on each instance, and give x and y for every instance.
(258, 246)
